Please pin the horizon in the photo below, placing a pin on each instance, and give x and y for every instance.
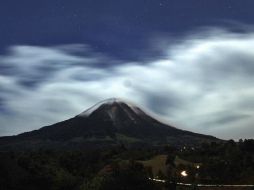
(95, 106)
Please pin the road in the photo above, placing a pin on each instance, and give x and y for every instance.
(201, 185)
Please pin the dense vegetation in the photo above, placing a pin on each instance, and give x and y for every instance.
(224, 163)
(122, 168)
(69, 170)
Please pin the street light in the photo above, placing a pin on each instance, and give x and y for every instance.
(184, 173)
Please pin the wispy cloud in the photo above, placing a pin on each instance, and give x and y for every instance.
(204, 74)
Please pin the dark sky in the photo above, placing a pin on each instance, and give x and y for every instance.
(189, 62)
(117, 27)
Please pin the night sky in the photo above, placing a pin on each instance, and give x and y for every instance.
(188, 62)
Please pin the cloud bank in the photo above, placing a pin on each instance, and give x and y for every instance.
(204, 83)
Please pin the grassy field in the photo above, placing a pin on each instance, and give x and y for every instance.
(178, 161)
(157, 163)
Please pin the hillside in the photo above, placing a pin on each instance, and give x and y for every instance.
(109, 123)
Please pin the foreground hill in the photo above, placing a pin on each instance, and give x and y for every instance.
(109, 123)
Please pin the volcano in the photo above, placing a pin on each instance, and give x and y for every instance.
(108, 123)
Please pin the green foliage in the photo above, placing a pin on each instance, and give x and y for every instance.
(47, 170)
(228, 162)
(131, 176)
(71, 170)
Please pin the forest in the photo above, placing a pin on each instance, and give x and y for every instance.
(120, 167)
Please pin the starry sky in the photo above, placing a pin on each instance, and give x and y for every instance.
(188, 62)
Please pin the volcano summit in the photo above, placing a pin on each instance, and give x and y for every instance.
(108, 123)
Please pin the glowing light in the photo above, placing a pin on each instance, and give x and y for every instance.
(184, 173)
(198, 166)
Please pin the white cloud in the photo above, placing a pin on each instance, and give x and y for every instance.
(203, 84)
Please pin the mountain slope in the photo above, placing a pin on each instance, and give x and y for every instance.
(110, 122)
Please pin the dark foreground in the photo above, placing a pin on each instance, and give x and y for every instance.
(129, 168)
(216, 188)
